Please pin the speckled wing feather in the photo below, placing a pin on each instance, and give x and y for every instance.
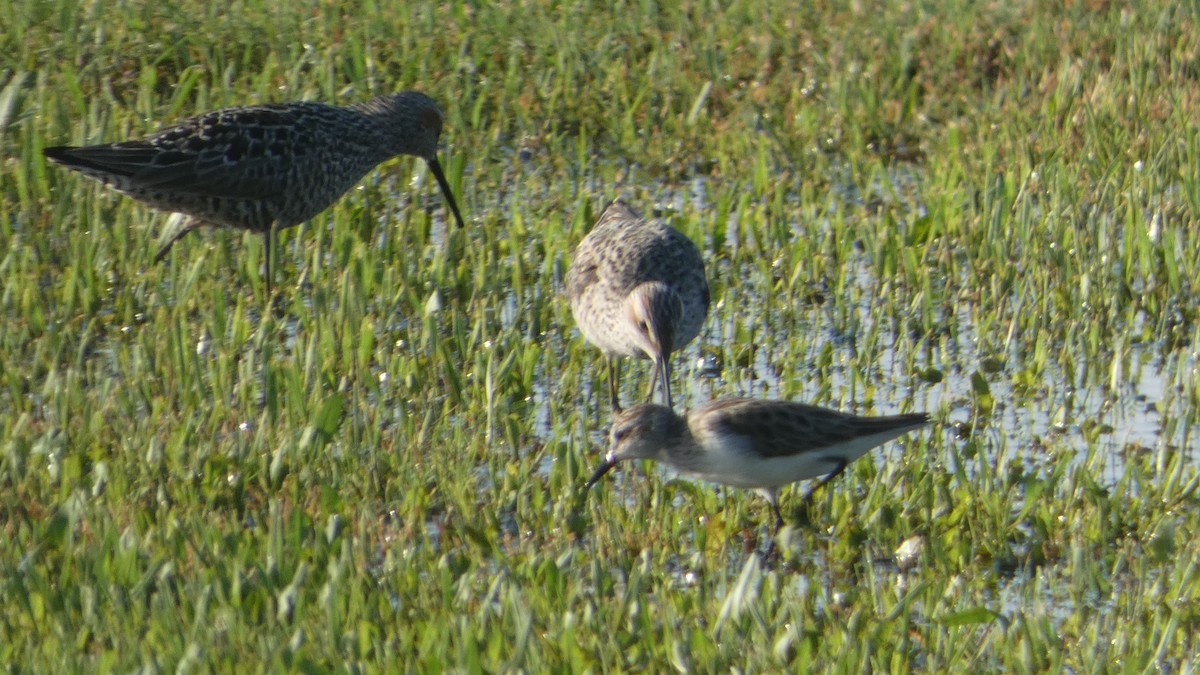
(580, 276)
(264, 143)
(660, 251)
(597, 252)
(782, 428)
(669, 250)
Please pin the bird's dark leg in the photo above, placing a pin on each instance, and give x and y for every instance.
(267, 240)
(771, 556)
(772, 497)
(841, 466)
(166, 248)
(662, 376)
(614, 398)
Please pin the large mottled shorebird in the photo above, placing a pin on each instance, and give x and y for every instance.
(265, 167)
(637, 288)
(750, 443)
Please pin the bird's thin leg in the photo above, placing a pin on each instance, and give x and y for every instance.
(661, 377)
(834, 474)
(166, 248)
(614, 398)
(267, 240)
(771, 556)
(772, 496)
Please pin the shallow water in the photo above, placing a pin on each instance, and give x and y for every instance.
(1107, 415)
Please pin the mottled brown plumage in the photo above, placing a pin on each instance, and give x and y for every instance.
(637, 288)
(266, 167)
(751, 443)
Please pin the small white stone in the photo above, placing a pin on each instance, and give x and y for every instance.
(908, 554)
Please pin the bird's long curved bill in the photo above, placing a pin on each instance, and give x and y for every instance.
(436, 168)
(600, 471)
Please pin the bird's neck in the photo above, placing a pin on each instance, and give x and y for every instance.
(682, 449)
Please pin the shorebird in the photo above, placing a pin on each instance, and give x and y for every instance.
(265, 167)
(749, 443)
(637, 288)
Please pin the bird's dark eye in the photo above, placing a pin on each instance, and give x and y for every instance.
(620, 434)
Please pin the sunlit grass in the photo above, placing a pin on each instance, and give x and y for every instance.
(981, 210)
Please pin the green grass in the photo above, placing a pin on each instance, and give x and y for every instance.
(985, 210)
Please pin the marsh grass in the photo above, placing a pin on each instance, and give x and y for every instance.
(985, 210)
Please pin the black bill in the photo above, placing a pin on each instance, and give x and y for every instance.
(436, 168)
(600, 471)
